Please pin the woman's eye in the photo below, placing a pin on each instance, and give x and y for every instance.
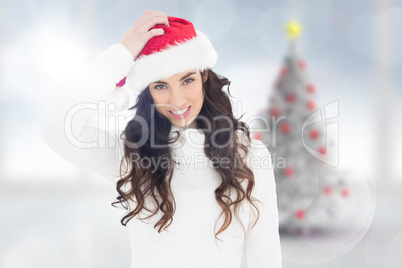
(159, 87)
(188, 81)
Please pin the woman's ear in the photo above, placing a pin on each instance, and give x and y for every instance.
(204, 76)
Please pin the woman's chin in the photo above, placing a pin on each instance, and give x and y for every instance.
(183, 123)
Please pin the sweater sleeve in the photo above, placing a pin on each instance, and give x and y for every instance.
(67, 129)
(263, 248)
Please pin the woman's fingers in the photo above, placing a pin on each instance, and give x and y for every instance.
(158, 20)
(149, 16)
(152, 21)
(140, 32)
(149, 20)
(155, 32)
(157, 13)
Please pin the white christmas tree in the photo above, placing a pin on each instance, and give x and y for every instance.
(307, 187)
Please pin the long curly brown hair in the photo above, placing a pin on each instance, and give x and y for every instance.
(152, 180)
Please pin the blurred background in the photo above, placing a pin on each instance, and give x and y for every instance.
(55, 214)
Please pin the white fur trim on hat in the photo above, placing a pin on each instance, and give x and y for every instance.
(194, 54)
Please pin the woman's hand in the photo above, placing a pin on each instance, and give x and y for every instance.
(139, 33)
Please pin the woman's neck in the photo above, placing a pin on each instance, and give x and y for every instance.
(192, 125)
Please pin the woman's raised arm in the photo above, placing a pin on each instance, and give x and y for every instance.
(66, 128)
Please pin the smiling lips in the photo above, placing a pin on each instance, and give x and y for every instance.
(181, 114)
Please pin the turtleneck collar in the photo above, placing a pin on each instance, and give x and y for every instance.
(185, 129)
(193, 137)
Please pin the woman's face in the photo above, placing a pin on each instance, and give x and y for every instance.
(179, 97)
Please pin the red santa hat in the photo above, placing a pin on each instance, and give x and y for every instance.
(181, 48)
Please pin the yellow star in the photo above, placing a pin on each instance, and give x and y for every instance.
(293, 29)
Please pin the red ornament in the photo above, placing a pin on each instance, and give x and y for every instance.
(302, 64)
(314, 134)
(283, 71)
(257, 136)
(289, 171)
(311, 88)
(327, 190)
(274, 112)
(310, 105)
(285, 127)
(291, 98)
(322, 150)
(345, 192)
(122, 82)
(300, 214)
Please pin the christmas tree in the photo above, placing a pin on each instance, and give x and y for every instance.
(307, 186)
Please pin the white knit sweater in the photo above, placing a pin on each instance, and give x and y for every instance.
(190, 239)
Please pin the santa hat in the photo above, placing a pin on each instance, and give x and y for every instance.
(181, 48)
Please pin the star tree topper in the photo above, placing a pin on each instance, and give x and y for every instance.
(293, 29)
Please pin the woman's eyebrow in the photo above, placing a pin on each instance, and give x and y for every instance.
(184, 77)
(187, 75)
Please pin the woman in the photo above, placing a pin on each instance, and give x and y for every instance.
(196, 186)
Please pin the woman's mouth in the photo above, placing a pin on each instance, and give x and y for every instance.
(181, 114)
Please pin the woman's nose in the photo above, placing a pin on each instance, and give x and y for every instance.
(178, 99)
